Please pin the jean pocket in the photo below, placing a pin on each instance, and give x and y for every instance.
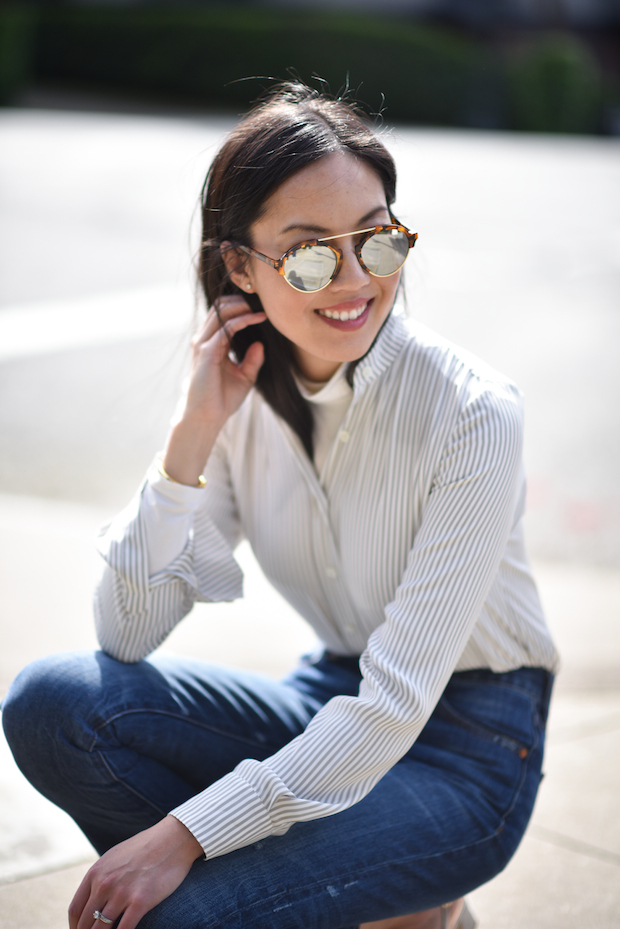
(492, 732)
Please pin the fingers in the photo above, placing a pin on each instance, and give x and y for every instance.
(218, 330)
(79, 902)
(252, 363)
(236, 323)
(231, 305)
(83, 915)
(92, 897)
(107, 914)
(102, 918)
(223, 313)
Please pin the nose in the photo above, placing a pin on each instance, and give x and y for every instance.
(351, 275)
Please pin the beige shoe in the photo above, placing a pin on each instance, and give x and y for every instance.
(464, 920)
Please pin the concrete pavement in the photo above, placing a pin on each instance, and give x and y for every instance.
(519, 260)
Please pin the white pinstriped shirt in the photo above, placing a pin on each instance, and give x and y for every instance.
(407, 548)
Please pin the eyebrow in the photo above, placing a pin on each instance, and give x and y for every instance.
(305, 229)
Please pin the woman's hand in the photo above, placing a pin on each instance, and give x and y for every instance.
(134, 876)
(217, 388)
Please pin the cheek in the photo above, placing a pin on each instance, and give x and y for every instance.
(283, 305)
(389, 288)
(268, 284)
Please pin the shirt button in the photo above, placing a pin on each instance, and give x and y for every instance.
(344, 435)
(331, 572)
(367, 371)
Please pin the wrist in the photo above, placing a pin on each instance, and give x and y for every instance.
(159, 464)
(187, 450)
(180, 835)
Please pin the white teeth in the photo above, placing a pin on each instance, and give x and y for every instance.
(344, 315)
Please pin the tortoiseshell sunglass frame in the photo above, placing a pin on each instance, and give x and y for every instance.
(279, 263)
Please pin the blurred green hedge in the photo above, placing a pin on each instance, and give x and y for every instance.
(206, 54)
(555, 87)
(201, 54)
(17, 33)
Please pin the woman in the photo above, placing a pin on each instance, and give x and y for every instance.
(376, 472)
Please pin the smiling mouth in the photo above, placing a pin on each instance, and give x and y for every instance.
(344, 315)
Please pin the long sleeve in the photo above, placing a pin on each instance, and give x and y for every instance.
(468, 517)
(136, 607)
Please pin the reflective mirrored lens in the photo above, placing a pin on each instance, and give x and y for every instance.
(385, 252)
(310, 267)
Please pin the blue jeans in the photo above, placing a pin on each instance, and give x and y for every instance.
(117, 746)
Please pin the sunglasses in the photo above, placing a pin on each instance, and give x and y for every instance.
(312, 265)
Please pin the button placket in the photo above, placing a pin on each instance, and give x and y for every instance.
(341, 612)
(324, 543)
(343, 437)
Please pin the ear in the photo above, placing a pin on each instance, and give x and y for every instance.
(237, 266)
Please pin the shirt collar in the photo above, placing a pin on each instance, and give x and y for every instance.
(387, 346)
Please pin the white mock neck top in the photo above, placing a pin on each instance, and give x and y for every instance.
(330, 403)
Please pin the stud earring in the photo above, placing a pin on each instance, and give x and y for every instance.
(248, 287)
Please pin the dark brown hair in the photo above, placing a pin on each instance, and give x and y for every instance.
(290, 129)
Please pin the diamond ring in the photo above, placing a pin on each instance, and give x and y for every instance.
(104, 919)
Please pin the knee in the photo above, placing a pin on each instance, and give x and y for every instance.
(43, 697)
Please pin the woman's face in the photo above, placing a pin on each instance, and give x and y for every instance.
(334, 195)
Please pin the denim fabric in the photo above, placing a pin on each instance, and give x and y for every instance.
(118, 745)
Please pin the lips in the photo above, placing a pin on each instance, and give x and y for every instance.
(348, 316)
(344, 315)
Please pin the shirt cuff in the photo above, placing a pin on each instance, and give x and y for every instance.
(167, 512)
(226, 816)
